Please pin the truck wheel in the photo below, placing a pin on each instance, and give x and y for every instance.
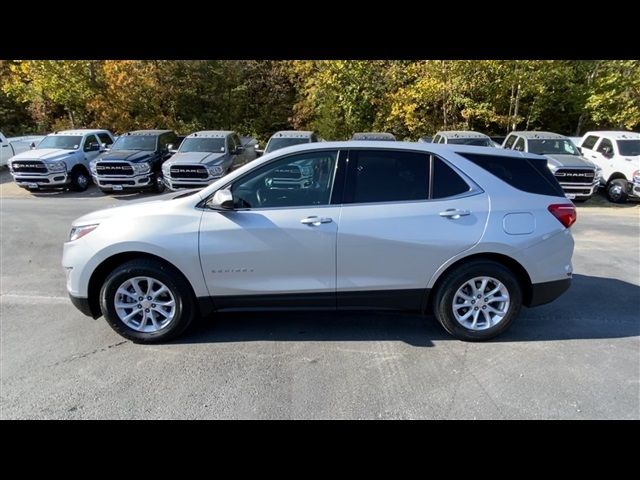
(79, 180)
(158, 184)
(478, 301)
(617, 190)
(147, 301)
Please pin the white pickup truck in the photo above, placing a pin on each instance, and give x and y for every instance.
(618, 154)
(13, 146)
(61, 160)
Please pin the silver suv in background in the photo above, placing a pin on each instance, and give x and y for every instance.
(468, 233)
(204, 157)
(578, 176)
(463, 137)
(288, 138)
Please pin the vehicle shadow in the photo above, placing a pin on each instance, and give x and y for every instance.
(593, 308)
(91, 192)
(600, 200)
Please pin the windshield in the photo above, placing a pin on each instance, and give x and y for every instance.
(276, 143)
(66, 142)
(202, 145)
(629, 148)
(553, 146)
(480, 142)
(135, 142)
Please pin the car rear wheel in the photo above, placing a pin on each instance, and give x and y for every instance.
(617, 190)
(147, 301)
(478, 301)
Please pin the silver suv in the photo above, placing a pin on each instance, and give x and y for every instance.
(468, 233)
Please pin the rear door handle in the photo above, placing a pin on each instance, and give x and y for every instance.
(454, 213)
(314, 221)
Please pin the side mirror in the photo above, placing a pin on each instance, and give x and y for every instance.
(221, 200)
(256, 146)
(259, 153)
(170, 147)
(93, 147)
(239, 149)
(33, 145)
(104, 147)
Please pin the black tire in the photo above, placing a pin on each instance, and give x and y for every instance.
(80, 180)
(617, 190)
(158, 184)
(443, 301)
(185, 305)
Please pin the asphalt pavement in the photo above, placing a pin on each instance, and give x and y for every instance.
(577, 358)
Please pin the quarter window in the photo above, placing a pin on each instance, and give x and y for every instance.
(446, 182)
(294, 181)
(510, 141)
(387, 176)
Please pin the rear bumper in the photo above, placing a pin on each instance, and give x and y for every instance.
(547, 292)
(83, 305)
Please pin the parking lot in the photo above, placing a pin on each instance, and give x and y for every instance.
(577, 358)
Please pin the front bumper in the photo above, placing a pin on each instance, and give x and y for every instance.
(580, 190)
(634, 189)
(180, 183)
(35, 181)
(83, 305)
(125, 182)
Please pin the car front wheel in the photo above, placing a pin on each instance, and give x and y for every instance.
(478, 301)
(617, 191)
(147, 301)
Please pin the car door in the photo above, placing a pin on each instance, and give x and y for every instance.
(91, 148)
(395, 231)
(278, 244)
(604, 156)
(6, 152)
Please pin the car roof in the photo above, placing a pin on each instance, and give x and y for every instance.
(211, 134)
(373, 136)
(79, 131)
(147, 132)
(461, 134)
(615, 134)
(538, 135)
(293, 134)
(413, 146)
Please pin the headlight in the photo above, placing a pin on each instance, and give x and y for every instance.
(56, 166)
(142, 167)
(165, 169)
(598, 173)
(79, 232)
(92, 166)
(636, 176)
(216, 170)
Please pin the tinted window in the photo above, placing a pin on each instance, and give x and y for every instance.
(605, 146)
(446, 182)
(510, 141)
(436, 139)
(294, 181)
(629, 148)
(89, 141)
(104, 138)
(526, 174)
(66, 142)
(281, 142)
(590, 142)
(387, 176)
(135, 142)
(519, 146)
(553, 146)
(202, 144)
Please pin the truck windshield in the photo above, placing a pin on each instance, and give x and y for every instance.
(202, 145)
(277, 143)
(66, 142)
(629, 148)
(135, 142)
(479, 142)
(553, 146)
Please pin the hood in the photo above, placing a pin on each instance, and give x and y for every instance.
(44, 154)
(558, 161)
(209, 158)
(136, 208)
(128, 155)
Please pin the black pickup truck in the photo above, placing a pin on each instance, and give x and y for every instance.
(135, 161)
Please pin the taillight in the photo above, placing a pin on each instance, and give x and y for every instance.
(566, 214)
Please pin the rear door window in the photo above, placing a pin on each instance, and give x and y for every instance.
(590, 142)
(510, 141)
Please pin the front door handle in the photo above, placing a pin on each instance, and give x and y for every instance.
(454, 213)
(314, 221)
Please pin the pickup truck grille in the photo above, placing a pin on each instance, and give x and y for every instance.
(188, 171)
(575, 176)
(114, 168)
(29, 166)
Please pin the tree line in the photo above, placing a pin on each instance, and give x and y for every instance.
(333, 97)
